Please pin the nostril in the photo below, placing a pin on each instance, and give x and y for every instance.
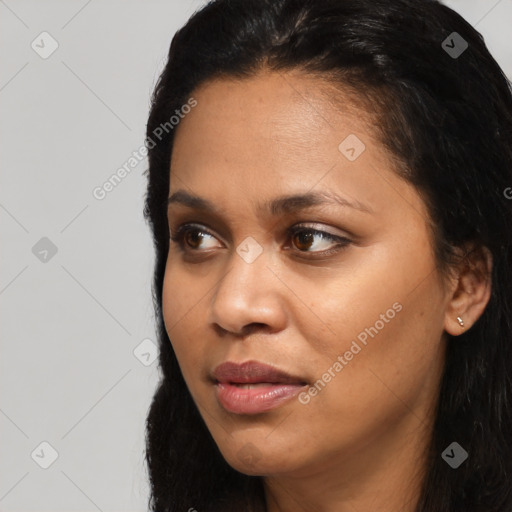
(255, 326)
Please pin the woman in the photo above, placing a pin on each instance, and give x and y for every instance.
(333, 281)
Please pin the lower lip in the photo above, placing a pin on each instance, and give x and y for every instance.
(257, 400)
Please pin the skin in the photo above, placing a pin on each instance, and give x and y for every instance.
(358, 444)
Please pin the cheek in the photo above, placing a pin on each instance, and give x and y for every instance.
(388, 323)
(355, 302)
(390, 367)
(176, 296)
(181, 309)
(184, 294)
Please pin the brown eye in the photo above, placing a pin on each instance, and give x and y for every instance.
(304, 239)
(191, 237)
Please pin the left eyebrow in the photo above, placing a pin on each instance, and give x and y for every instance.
(275, 207)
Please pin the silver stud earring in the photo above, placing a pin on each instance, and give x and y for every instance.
(460, 321)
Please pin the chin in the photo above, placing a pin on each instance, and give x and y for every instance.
(257, 458)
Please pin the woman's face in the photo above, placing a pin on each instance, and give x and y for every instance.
(356, 320)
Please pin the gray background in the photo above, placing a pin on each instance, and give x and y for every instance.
(77, 355)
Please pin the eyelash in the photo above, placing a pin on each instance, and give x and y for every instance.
(181, 231)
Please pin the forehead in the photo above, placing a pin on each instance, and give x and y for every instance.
(270, 101)
(277, 134)
(269, 121)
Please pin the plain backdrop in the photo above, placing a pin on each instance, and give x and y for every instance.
(77, 363)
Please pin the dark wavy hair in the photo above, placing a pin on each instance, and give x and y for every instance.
(447, 121)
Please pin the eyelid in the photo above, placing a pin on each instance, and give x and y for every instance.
(314, 226)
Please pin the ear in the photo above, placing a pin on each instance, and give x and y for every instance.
(470, 290)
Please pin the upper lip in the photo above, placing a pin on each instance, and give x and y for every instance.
(251, 372)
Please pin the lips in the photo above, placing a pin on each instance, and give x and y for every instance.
(252, 372)
(253, 387)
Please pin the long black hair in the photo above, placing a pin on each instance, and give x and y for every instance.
(444, 111)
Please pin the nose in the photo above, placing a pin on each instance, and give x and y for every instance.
(249, 296)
